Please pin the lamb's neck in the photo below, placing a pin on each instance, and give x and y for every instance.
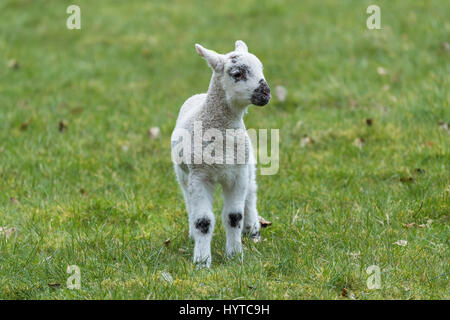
(218, 109)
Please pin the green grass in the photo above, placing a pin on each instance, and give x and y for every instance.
(103, 196)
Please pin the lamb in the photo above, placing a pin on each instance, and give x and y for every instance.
(205, 121)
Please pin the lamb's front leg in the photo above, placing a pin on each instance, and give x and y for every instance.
(251, 218)
(201, 218)
(234, 192)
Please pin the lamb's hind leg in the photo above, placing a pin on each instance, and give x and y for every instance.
(201, 218)
(251, 218)
(183, 178)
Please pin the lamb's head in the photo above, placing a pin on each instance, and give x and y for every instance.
(240, 73)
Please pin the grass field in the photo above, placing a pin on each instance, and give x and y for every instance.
(82, 184)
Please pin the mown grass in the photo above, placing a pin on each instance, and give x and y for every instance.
(101, 195)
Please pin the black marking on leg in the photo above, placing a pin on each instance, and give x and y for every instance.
(203, 224)
(235, 218)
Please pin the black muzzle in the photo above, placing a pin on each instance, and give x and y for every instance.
(261, 95)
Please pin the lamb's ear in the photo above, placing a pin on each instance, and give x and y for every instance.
(215, 61)
(241, 46)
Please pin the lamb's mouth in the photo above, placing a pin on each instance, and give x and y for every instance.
(260, 99)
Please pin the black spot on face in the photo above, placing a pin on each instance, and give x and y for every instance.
(202, 225)
(234, 58)
(239, 72)
(235, 218)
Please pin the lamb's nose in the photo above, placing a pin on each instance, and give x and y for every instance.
(265, 89)
(261, 95)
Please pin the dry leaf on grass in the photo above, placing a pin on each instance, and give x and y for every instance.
(409, 225)
(401, 243)
(167, 242)
(62, 126)
(264, 222)
(24, 126)
(281, 93)
(54, 285)
(359, 142)
(443, 125)
(13, 64)
(153, 132)
(7, 232)
(381, 71)
(306, 141)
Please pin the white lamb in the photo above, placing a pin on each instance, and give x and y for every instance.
(205, 121)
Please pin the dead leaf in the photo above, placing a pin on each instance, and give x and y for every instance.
(264, 222)
(7, 232)
(153, 132)
(381, 71)
(359, 142)
(281, 93)
(62, 126)
(445, 46)
(14, 200)
(406, 179)
(401, 243)
(77, 110)
(423, 277)
(409, 225)
(306, 141)
(54, 285)
(344, 292)
(443, 125)
(24, 126)
(13, 64)
(167, 242)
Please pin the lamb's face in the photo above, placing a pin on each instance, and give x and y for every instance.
(243, 79)
(241, 75)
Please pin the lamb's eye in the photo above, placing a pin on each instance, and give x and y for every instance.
(237, 74)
